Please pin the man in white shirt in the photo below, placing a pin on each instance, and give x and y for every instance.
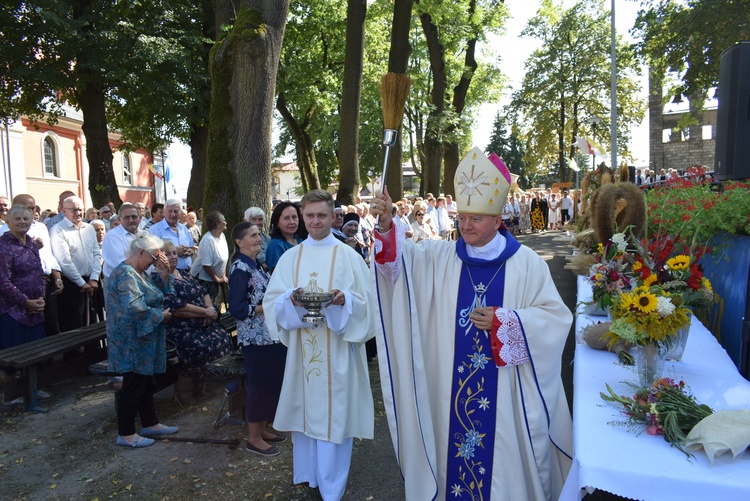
(51, 221)
(566, 207)
(116, 243)
(38, 231)
(171, 229)
(77, 252)
(106, 213)
(451, 207)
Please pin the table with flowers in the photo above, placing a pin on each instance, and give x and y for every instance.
(610, 457)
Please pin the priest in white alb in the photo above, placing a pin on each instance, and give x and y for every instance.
(470, 353)
(325, 398)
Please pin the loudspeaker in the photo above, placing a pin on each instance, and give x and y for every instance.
(631, 173)
(732, 159)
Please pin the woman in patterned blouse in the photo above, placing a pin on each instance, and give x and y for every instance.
(264, 358)
(136, 342)
(22, 283)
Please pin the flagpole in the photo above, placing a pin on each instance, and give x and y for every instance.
(613, 124)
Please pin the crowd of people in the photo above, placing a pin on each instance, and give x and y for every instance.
(165, 275)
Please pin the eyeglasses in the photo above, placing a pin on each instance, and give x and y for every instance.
(73, 209)
(418, 214)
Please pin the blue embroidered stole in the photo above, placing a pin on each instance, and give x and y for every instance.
(474, 389)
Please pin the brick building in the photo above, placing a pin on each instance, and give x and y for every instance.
(678, 149)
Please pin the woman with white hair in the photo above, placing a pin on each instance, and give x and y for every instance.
(256, 216)
(22, 282)
(137, 339)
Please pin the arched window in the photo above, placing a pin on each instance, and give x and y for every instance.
(50, 157)
(127, 176)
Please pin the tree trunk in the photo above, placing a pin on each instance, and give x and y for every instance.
(213, 16)
(305, 146)
(198, 151)
(349, 180)
(433, 144)
(398, 62)
(102, 182)
(450, 148)
(243, 78)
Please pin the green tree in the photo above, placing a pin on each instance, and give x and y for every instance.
(688, 37)
(125, 65)
(449, 82)
(506, 143)
(568, 80)
(244, 63)
(348, 158)
(310, 77)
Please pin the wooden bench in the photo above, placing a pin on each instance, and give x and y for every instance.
(30, 357)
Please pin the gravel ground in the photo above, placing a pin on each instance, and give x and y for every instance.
(69, 452)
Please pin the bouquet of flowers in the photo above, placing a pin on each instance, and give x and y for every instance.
(646, 315)
(675, 266)
(666, 408)
(611, 272)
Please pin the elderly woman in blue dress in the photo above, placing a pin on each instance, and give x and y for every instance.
(264, 358)
(136, 338)
(193, 328)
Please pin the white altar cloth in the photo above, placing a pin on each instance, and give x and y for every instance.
(616, 460)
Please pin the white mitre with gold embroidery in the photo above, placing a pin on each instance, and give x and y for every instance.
(481, 184)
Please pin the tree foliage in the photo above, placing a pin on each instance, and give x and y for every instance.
(506, 143)
(127, 65)
(568, 80)
(450, 82)
(688, 37)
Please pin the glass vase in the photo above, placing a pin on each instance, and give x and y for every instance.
(677, 348)
(594, 309)
(649, 362)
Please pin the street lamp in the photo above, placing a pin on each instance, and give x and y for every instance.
(594, 121)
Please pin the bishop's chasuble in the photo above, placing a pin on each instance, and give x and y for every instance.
(473, 415)
(326, 390)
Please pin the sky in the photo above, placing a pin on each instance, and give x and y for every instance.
(514, 50)
(513, 66)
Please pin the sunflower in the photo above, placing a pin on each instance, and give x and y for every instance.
(646, 302)
(637, 266)
(706, 284)
(650, 280)
(600, 248)
(679, 263)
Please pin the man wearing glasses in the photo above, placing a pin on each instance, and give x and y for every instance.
(76, 249)
(116, 245)
(105, 213)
